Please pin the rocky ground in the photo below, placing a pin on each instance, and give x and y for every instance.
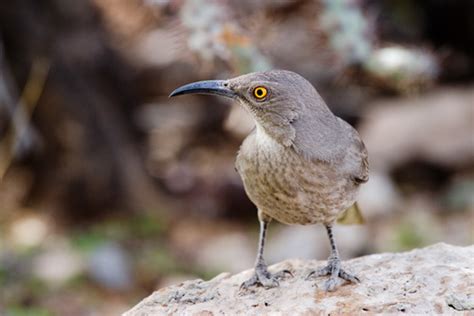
(433, 280)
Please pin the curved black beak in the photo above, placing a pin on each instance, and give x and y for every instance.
(218, 87)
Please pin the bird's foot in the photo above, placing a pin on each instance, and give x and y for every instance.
(262, 277)
(334, 270)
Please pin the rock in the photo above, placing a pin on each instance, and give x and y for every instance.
(436, 127)
(461, 302)
(432, 280)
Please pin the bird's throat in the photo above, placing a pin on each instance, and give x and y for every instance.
(282, 134)
(265, 140)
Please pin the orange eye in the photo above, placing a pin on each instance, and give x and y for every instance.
(260, 92)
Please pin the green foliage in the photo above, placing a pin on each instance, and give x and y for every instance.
(27, 311)
(3, 276)
(136, 227)
(88, 240)
(409, 237)
(249, 59)
(460, 196)
(163, 261)
(349, 31)
(147, 226)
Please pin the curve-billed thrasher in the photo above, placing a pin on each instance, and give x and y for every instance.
(300, 165)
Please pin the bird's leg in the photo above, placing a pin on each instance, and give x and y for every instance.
(333, 268)
(261, 276)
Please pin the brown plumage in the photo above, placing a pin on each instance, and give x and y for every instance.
(301, 164)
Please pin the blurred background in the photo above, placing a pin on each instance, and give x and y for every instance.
(110, 190)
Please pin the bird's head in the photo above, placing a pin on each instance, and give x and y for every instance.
(275, 99)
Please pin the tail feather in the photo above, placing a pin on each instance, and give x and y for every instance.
(351, 216)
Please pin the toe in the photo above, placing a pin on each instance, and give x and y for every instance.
(310, 275)
(334, 271)
(249, 283)
(283, 274)
(330, 284)
(264, 278)
(245, 285)
(269, 282)
(318, 273)
(348, 277)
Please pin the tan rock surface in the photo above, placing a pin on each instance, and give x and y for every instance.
(432, 280)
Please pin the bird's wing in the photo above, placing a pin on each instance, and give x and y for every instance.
(356, 161)
(361, 174)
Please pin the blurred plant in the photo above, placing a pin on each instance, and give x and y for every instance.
(139, 226)
(460, 196)
(21, 138)
(110, 265)
(158, 258)
(28, 231)
(350, 33)
(352, 37)
(408, 237)
(161, 3)
(418, 227)
(27, 311)
(213, 34)
(87, 241)
(403, 69)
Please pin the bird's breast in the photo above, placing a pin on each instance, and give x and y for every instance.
(288, 188)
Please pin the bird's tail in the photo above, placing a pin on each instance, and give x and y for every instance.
(351, 216)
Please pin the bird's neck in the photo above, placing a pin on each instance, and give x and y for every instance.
(264, 140)
(313, 135)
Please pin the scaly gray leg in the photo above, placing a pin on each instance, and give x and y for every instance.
(261, 275)
(333, 269)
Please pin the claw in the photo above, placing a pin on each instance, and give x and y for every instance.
(318, 273)
(333, 269)
(283, 273)
(348, 277)
(310, 275)
(250, 282)
(264, 278)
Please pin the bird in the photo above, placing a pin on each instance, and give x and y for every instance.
(301, 164)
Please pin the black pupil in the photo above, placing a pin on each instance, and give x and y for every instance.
(259, 92)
